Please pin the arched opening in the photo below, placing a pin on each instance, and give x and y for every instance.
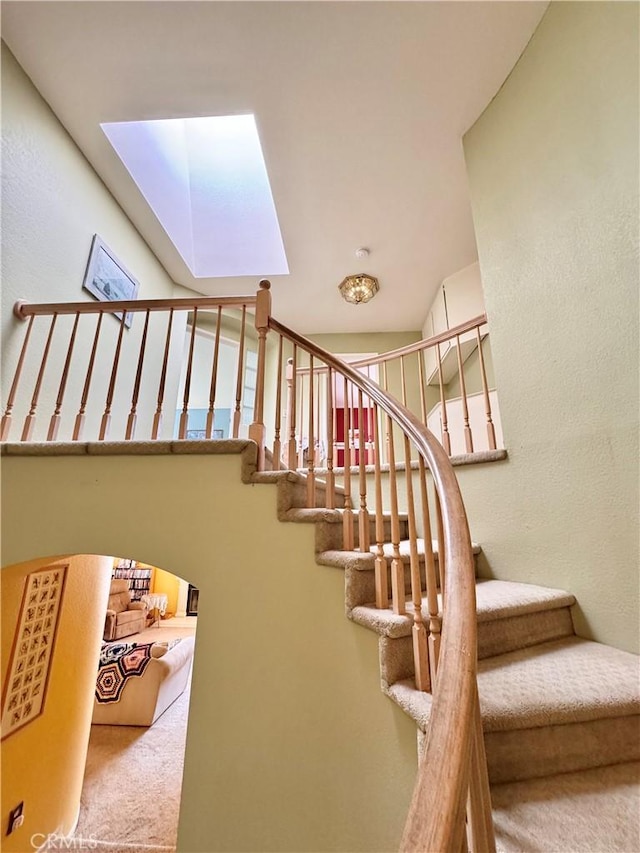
(94, 719)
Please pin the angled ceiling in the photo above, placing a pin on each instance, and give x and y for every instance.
(360, 107)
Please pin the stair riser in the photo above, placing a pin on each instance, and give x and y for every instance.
(297, 496)
(547, 750)
(494, 638)
(360, 585)
(329, 537)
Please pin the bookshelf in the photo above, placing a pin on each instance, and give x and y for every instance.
(139, 579)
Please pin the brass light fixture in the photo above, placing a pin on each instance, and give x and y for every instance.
(359, 288)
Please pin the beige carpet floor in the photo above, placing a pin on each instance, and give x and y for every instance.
(133, 777)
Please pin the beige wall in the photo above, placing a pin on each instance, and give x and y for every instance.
(52, 205)
(291, 745)
(43, 762)
(553, 170)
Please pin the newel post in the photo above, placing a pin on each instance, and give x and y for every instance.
(263, 313)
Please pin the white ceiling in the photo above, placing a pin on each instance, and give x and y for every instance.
(360, 106)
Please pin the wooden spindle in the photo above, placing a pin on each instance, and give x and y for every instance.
(480, 831)
(54, 423)
(363, 513)
(347, 517)
(257, 430)
(468, 438)
(29, 422)
(211, 413)
(491, 430)
(446, 440)
(292, 380)
(311, 473)
(80, 417)
(442, 557)
(133, 414)
(106, 417)
(419, 634)
(381, 566)
(330, 501)
(184, 415)
(435, 620)
(157, 418)
(422, 383)
(387, 422)
(397, 567)
(277, 444)
(403, 381)
(300, 463)
(7, 417)
(237, 412)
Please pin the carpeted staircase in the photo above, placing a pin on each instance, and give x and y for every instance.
(561, 714)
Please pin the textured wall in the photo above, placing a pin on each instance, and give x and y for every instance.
(553, 169)
(291, 744)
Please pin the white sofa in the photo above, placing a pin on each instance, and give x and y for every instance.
(144, 698)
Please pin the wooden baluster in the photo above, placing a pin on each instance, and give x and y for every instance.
(480, 830)
(331, 480)
(157, 418)
(7, 417)
(277, 444)
(184, 416)
(300, 463)
(80, 417)
(381, 566)
(403, 381)
(435, 620)
(419, 634)
(491, 431)
(292, 380)
(133, 414)
(311, 474)
(446, 440)
(468, 438)
(397, 567)
(106, 417)
(421, 382)
(237, 413)
(442, 556)
(257, 431)
(364, 538)
(211, 414)
(29, 422)
(347, 518)
(54, 424)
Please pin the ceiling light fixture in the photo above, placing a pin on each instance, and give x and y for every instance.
(359, 288)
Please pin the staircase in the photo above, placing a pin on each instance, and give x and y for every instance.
(561, 715)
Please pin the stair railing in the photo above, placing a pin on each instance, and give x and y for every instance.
(373, 426)
(135, 367)
(421, 373)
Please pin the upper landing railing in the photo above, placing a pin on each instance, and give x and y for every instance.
(298, 382)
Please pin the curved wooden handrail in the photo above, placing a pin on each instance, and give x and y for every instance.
(22, 310)
(437, 807)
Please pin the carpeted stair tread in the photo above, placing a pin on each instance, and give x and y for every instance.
(494, 600)
(332, 516)
(593, 811)
(565, 681)
(405, 549)
(502, 599)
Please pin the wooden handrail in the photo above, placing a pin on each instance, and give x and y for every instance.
(22, 310)
(437, 807)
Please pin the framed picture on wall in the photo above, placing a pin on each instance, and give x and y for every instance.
(32, 653)
(108, 279)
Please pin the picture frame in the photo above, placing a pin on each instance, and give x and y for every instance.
(108, 279)
(32, 652)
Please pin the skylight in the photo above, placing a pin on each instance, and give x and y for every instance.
(206, 181)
